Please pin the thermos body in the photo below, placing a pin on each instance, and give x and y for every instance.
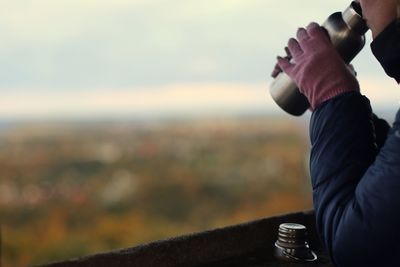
(346, 30)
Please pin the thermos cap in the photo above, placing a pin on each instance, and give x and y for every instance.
(292, 244)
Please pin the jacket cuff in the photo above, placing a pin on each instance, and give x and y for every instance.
(386, 49)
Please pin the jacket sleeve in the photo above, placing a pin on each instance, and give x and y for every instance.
(343, 146)
(356, 185)
(356, 190)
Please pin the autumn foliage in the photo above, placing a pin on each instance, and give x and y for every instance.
(71, 189)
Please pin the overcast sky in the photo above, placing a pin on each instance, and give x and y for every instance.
(125, 57)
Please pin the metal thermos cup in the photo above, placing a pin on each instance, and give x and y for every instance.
(346, 30)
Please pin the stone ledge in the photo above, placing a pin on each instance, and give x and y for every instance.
(219, 247)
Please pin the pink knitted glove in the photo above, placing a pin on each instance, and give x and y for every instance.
(316, 66)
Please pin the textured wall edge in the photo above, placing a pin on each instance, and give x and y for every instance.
(199, 248)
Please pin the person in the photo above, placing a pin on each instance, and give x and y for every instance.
(355, 157)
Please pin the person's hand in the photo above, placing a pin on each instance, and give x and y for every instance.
(316, 66)
(378, 14)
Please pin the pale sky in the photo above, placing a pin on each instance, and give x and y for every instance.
(88, 58)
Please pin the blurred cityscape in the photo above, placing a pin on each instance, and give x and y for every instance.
(72, 189)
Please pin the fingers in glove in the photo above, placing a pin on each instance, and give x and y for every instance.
(312, 26)
(302, 34)
(294, 48)
(277, 69)
(285, 65)
(314, 30)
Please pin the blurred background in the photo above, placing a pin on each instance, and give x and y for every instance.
(128, 121)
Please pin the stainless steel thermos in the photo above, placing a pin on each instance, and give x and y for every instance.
(347, 32)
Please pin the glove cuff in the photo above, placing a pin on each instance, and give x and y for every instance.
(318, 99)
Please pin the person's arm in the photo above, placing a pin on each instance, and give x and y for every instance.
(357, 195)
(354, 201)
(356, 190)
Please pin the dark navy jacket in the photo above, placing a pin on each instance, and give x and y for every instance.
(355, 171)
